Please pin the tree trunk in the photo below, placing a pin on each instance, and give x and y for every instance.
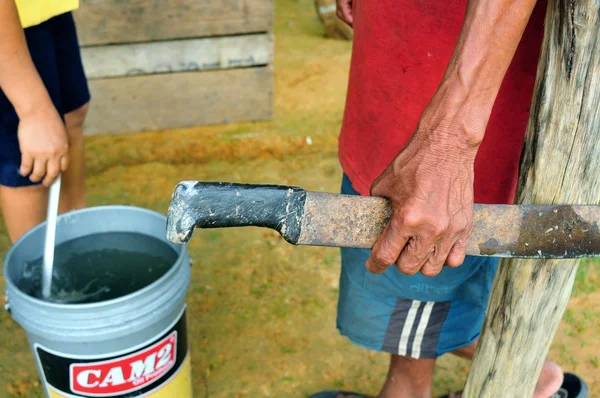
(560, 164)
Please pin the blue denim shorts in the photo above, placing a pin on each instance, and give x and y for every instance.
(414, 316)
(54, 49)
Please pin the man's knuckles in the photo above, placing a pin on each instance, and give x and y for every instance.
(408, 268)
(430, 270)
(438, 226)
(456, 256)
(373, 267)
(425, 224)
(383, 258)
(454, 262)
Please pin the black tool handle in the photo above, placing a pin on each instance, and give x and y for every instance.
(219, 205)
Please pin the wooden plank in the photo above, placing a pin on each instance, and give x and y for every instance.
(560, 164)
(177, 55)
(154, 102)
(127, 21)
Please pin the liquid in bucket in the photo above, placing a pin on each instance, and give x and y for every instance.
(81, 274)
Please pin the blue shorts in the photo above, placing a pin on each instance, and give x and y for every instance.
(415, 316)
(54, 48)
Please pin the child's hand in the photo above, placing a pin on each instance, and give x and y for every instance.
(44, 145)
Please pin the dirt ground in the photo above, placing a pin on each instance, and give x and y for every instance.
(263, 311)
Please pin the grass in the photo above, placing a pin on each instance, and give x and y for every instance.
(587, 279)
(262, 311)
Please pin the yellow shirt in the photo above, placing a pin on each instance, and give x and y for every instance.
(34, 12)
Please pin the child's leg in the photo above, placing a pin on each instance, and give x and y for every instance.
(72, 194)
(23, 208)
(74, 99)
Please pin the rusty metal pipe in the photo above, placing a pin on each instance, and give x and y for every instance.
(326, 219)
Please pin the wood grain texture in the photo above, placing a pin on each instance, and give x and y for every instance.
(154, 102)
(128, 21)
(560, 164)
(177, 55)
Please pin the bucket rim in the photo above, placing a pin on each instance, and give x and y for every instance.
(180, 250)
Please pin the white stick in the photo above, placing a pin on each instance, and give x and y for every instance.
(53, 199)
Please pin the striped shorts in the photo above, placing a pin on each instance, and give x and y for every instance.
(415, 316)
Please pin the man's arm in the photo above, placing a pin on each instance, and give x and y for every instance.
(430, 182)
(42, 136)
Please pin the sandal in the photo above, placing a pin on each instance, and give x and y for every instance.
(572, 387)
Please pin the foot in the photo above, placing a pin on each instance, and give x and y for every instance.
(551, 378)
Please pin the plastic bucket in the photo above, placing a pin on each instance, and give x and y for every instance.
(133, 345)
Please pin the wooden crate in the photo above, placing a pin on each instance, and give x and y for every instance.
(165, 64)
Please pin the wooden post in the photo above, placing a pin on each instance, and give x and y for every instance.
(560, 165)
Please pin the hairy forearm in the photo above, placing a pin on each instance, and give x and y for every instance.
(19, 79)
(488, 40)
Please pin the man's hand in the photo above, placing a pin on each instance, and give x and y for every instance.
(430, 186)
(344, 11)
(430, 183)
(44, 145)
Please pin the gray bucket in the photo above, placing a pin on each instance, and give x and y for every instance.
(133, 345)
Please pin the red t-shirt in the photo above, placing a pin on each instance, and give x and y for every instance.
(400, 53)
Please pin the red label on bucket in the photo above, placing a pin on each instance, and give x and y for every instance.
(156, 368)
(125, 374)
